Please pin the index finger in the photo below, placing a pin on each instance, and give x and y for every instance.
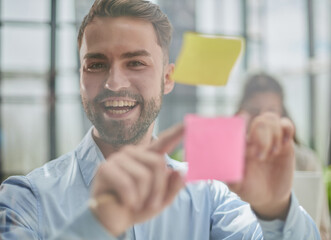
(168, 139)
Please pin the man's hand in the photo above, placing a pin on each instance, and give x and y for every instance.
(269, 166)
(135, 183)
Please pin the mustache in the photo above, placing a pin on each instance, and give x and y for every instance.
(123, 93)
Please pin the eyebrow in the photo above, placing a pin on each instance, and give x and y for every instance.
(136, 54)
(124, 55)
(95, 55)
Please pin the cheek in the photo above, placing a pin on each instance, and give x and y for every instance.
(148, 84)
(89, 87)
(151, 90)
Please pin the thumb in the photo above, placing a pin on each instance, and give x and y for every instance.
(168, 139)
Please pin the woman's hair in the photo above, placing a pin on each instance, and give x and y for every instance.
(141, 9)
(261, 83)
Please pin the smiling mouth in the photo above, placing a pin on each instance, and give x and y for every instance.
(119, 106)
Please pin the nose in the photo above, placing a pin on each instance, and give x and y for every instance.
(116, 79)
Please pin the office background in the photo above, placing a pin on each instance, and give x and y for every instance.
(41, 116)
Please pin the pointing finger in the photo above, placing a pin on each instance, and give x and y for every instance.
(168, 139)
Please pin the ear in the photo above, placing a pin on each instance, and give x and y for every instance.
(168, 81)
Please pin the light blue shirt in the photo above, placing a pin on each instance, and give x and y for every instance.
(52, 203)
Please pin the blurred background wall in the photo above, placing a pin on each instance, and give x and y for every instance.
(40, 110)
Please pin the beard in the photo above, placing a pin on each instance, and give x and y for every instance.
(119, 132)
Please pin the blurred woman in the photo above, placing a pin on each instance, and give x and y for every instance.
(263, 93)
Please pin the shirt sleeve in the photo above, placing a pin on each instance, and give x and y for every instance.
(233, 218)
(298, 225)
(18, 210)
(20, 216)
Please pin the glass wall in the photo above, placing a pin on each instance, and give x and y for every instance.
(40, 111)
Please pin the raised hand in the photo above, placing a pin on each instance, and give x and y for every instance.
(135, 183)
(269, 166)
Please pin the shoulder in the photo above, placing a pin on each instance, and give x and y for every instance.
(54, 168)
(49, 169)
(41, 179)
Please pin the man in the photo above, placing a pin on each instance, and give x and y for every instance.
(117, 183)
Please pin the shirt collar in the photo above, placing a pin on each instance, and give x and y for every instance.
(89, 157)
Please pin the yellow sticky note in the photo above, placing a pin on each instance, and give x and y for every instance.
(207, 59)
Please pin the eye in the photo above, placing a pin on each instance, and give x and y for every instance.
(97, 67)
(135, 64)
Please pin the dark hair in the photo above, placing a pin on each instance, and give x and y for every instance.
(145, 10)
(260, 83)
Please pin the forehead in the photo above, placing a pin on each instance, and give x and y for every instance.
(119, 33)
(266, 98)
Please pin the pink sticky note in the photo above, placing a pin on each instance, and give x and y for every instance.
(214, 148)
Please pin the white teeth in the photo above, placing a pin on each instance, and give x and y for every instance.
(118, 111)
(119, 103)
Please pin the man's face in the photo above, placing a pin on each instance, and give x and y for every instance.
(123, 78)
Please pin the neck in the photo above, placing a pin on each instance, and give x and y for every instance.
(107, 149)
